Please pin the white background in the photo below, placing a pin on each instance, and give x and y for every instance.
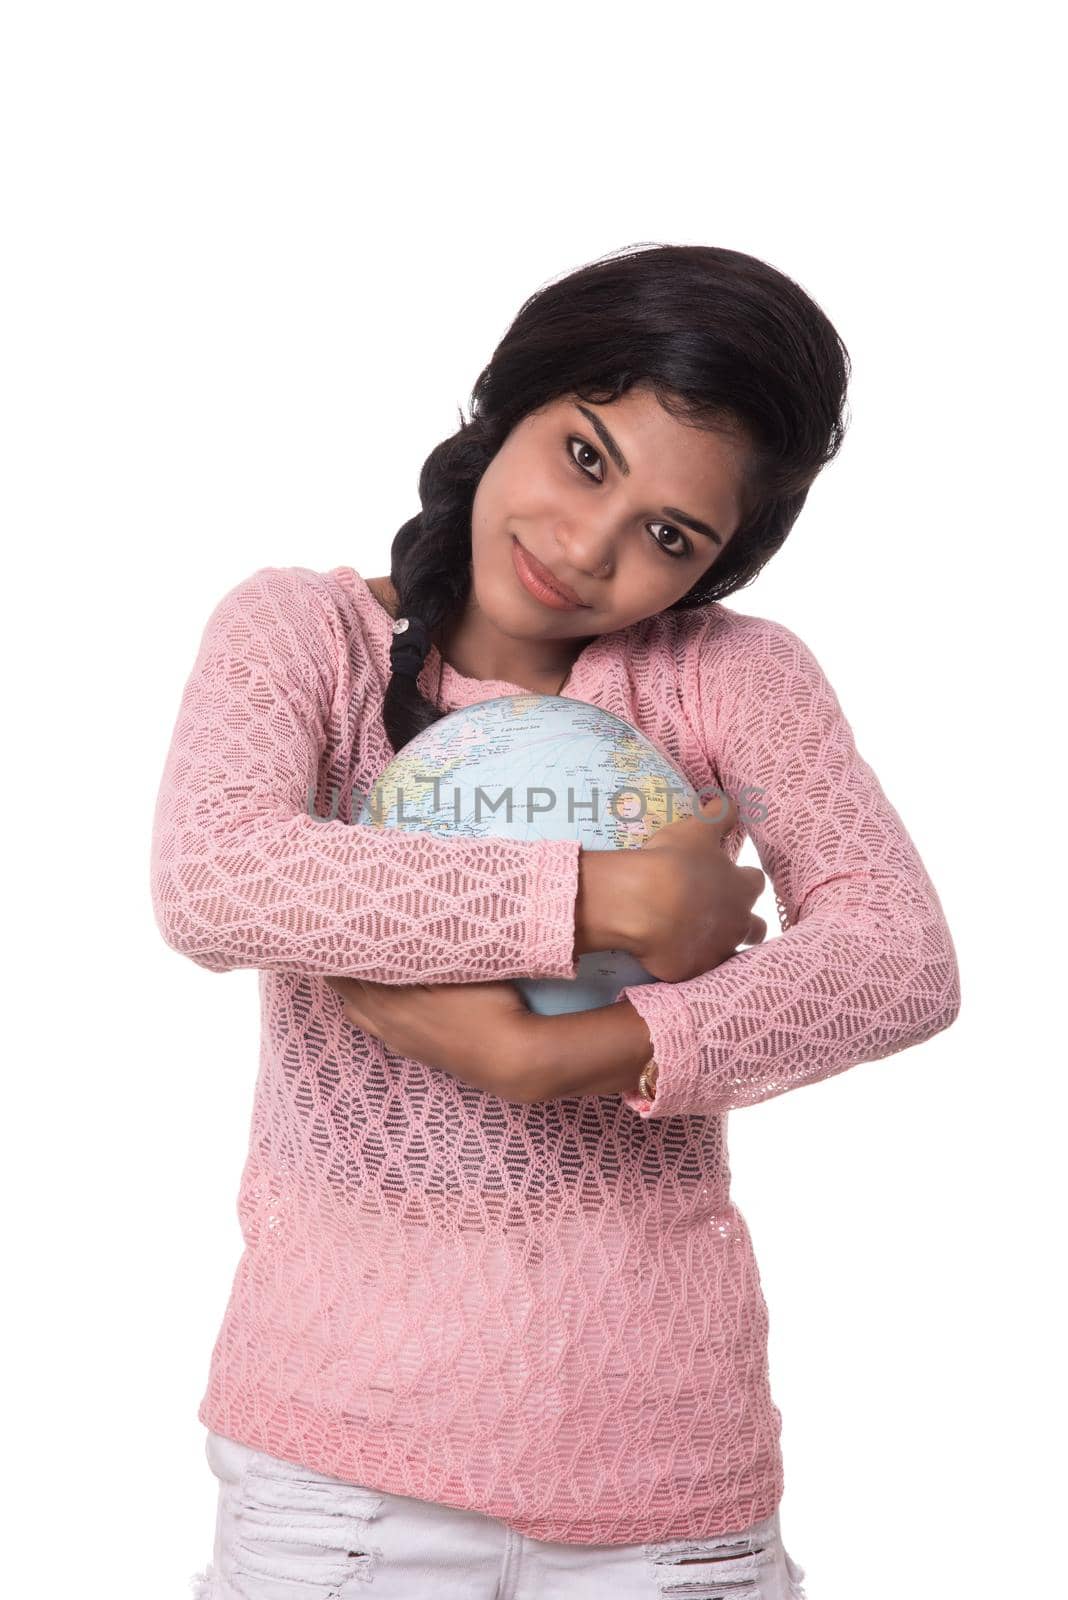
(255, 257)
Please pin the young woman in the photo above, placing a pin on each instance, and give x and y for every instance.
(498, 1327)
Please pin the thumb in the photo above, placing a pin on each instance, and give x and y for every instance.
(719, 808)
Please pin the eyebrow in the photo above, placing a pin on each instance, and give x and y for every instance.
(620, 460)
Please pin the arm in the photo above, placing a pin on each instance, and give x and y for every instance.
(866, 966)
(601, 1051)
(243, 876)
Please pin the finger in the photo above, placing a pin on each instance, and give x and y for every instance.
(756, 931)
(720, 811)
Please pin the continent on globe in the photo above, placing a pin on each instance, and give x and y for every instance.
(531, 766)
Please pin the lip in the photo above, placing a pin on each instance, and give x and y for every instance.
(540, 582)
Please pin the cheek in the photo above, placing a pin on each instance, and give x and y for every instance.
(641, 587)
(495, 511)
(526, 486)
(643, 590)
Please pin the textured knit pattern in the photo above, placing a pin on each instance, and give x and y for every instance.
(550, 1313)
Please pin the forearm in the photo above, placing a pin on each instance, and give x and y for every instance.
(584, 1052)
(247, 871)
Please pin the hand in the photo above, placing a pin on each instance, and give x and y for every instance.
(691, 905)
(474, 1031)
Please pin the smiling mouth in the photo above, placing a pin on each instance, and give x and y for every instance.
(530, 568)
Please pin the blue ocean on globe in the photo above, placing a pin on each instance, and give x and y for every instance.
(533, 766)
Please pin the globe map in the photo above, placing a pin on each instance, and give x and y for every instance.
(532, 766)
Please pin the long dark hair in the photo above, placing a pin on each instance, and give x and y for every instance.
(720, 337)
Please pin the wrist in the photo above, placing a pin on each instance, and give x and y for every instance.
(606, 902)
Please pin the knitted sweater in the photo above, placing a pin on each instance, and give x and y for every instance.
(549, 1313)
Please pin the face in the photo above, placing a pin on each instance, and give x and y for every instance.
(605, 497)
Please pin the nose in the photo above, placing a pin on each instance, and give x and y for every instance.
(587, 550)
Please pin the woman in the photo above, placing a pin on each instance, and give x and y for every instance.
(497, 1320)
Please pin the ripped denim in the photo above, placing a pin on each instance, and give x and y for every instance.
(284, 1532)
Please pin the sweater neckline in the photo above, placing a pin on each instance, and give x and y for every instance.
(457, 689)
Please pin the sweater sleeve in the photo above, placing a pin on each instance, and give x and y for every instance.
(865, 966)
(244, 875)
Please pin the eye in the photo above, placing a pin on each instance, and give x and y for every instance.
(574, 439)
(686, 546)
(584, 444)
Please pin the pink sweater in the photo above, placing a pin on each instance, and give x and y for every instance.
(548, 1313)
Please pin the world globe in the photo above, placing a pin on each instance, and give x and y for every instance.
(534, 766)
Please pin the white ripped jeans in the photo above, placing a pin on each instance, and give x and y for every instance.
(284, 1532)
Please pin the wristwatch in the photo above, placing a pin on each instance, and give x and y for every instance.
(647, 1079)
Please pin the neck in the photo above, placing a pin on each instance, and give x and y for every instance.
(472, 647)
